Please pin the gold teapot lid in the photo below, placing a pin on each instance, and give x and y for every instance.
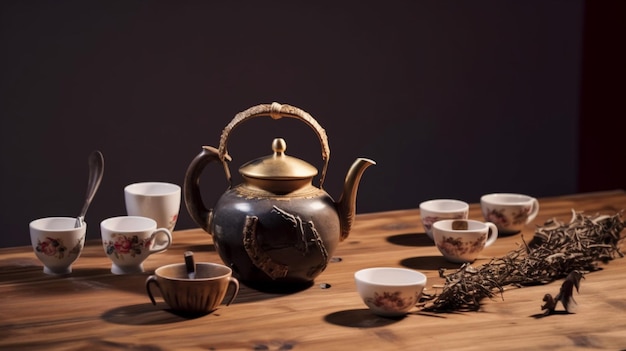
(278, 167)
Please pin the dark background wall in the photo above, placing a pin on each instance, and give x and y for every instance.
(451, 98)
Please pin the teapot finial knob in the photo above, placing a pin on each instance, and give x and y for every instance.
(279, 145)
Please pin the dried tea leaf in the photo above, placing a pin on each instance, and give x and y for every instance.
(556, 250)
(459, 225)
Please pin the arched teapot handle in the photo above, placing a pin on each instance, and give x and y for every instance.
(276, 111)
(191, 188)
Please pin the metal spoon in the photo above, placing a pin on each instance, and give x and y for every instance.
(96, 169)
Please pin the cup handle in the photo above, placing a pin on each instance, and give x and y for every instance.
(492, 235)
(161, 247)
(152, 279)
(234, 282)
(534, 209)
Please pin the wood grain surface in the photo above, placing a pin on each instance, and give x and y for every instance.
(92, 309)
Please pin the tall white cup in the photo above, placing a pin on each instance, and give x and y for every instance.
(157, 200)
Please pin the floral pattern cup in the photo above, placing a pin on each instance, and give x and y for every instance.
(509, 212)
(129, 240)
(390, 291)
(438, 209)
(461, 240)
(57, 244)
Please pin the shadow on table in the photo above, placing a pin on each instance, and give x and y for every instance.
(32, 281)
(249, 294)
(360, 318)
(30, 270)
(543, 315)
(20, 270)
(148, 314)
(428, 263)
(411, 239)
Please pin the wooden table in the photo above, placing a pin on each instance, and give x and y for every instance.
(92, 309)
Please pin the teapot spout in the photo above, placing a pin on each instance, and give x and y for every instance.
(346, 206)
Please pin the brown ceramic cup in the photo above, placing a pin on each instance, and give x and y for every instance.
(200, 295)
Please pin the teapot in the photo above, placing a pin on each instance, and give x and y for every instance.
(276, 230)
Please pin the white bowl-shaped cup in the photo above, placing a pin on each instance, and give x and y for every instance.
(509, 212)
(435, 210)
(57, 244)
(157, 200)
(129, 240)
(390, 291)
(461, 240)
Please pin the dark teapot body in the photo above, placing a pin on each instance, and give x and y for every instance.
(275, 240)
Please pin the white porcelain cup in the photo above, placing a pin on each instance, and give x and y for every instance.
(129, 240)
(57, 244)
(435, 210)
(461, 240)
(157, 200)
(509, 212)
(390, 291)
